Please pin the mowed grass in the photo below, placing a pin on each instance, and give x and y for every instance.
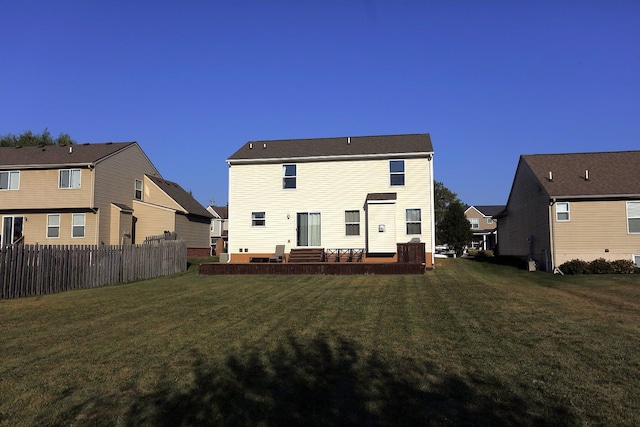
(470, 343)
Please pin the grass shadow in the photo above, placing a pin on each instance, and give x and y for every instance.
(324, 381)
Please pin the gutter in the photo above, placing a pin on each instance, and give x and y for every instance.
(425, 154)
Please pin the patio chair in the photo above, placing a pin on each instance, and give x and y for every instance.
(279, 255)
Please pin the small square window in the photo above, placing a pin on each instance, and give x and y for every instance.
(258, 219)
(562, 211)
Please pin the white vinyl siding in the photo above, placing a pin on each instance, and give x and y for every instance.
(53, 226)
(69, 178)
(10, 180)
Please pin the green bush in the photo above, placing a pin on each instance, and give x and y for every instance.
(575, 266)
(600, 266)
(488, 253)
(624, 266)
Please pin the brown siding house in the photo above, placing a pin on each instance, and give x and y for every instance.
(573, 206)
(483, 225)
(89, 194)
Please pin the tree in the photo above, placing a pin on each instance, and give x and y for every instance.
(455, 228)
(443, 197)
(30, 138)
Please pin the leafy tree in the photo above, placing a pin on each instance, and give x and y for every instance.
(443, 197)
(30, 138)
(455, 228)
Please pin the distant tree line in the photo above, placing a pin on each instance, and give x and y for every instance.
(29, 138)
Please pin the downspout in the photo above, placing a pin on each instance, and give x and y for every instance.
(92, 202)
(432, 213)
(552, 241)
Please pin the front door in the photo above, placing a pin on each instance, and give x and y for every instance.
(11, 229)
(309, 228)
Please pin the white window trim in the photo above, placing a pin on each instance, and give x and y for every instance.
(84, 225)
(135, 190)
(285, 176)
(49, 226)
(10, 181)
(407, 222)
(489, 220)
(634, 217)
(633, 259)
(476, 223)
(254, 219)
(70, 180)
(568, 212)
(347, 223)
(403, 173)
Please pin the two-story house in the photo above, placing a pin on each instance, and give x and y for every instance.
(367, 193)
(483, 225)
(89, 194)
(573, 206)
(219, 229)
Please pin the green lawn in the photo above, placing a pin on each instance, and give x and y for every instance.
(470, 343)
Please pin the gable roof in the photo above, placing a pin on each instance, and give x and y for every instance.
(487, 210)
(413, 145)
(221, 211)
(56, 155)
(182, 197)
(609, 173)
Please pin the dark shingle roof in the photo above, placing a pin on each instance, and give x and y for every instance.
(381, 196)
(222, 211)
(334, 147)
(610, 173)
(182, 197)
(489, 210)
(58, 154)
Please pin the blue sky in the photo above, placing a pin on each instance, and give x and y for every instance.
(193, 80)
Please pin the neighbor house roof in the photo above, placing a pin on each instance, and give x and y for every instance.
(602, 174)
(330, 148)
(488, 210)
(182, 197)
(53, 155)
(221, 211)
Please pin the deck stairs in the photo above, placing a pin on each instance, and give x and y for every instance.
(306, 255)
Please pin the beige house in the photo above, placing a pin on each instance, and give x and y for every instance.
(568, 206)
(483, 225)
(219, 231)
(365, 193)
(92, 194)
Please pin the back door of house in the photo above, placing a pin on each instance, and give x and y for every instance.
(309, 229)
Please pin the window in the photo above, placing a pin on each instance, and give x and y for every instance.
(636, 260)
(288, 176)
(77, 225)
(12, 229)
(414, 221)
(69, 178)
(10, 180)
(489, 220)
(138, 191)
(258, 219)
(396, 171)
(633, 217)
(53, 226)
(352, 223)
(562, 211)
(475, 223)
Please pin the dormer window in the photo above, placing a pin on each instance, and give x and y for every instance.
(69, 178)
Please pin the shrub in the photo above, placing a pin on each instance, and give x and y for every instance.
(600, 266)
(488, 253)
(473, 252)
(575, 266)
(624, 266)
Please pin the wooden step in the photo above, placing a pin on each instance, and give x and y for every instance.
(306, 255)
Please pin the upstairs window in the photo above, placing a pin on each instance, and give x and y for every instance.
(258, 219)
(414, 221)
(562, 211)
(633, 217)
(475, 223)
(352, 223)
(138, 191)
(396, 172)
(288, 176)
(10, 180)
(69, 178)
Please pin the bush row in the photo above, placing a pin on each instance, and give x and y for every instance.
(599, 266)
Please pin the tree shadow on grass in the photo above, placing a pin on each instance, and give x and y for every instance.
(327, 382)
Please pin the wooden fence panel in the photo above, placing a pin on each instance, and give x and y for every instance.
(28, 270)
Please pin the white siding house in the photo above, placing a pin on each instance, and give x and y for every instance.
(365, 193)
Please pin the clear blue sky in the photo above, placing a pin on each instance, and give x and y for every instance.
(193, 80)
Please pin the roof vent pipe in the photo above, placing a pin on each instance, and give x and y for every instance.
(550, 176)
(70, 149)
(586, 175)
(349, 140)
(264, 146)
(250, 146)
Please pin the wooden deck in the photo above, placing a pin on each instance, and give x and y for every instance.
(329, 268)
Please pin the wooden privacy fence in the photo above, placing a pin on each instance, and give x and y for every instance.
(28, 270)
